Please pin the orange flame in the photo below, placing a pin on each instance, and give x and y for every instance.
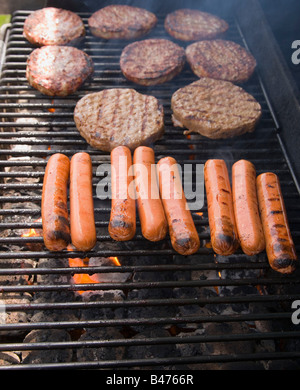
(33, 233)
(85, 278)
(51, 109)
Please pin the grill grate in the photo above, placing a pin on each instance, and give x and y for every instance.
(170, 311)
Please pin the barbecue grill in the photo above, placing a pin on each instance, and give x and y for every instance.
(155, 309)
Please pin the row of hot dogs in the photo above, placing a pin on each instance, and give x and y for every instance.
(250, 214)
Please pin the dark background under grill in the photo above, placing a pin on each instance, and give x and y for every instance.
(165, 292)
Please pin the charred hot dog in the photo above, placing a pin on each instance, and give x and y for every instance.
(82, 222)
(122, 224)
(224, 238)
(56, 229)
(279, 243)
(151, 212)
(183, 234)
(245, 204)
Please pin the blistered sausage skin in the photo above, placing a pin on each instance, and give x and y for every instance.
(183, 234)
(56, 229)
(151, 212)
(224, 237)
(280, 247)
(122, 223)
(82, 221)
(245, 205)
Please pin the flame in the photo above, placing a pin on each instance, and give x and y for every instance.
(51, 109)
(33, 233)
(115, 260)
(191, 156)
(85, 278)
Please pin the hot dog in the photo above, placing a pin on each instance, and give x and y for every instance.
(183, 234)
(279, 243)
(56, 229)
(122, 224)
(82, 221)
(151, 212)
(224, 238)
(245, 205)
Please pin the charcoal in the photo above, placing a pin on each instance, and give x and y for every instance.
(14, 317)
(154, 351)
(47, 355)
(9, 358)
(101, 353)
(98, 313)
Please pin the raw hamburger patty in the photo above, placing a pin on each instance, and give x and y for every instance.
(115, 117)
(193, 25)
(215, 109)
(53, 26)
(58, 70)
(152, 61)
(220, 59)
(121, 22)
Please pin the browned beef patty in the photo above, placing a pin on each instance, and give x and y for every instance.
(192, 25)
(119, 116)
(152, 61)
(215, 109)
(121, 22)
(58, 70)
(220, 59)
(53, 26)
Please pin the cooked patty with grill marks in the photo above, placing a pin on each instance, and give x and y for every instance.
(215, 109)
(220, 59)
(152, 61)
(119, 116)
(192, 25)
(58, 70)
(121, 22)
(53, 26)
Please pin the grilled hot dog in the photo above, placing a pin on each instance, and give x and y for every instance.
(122, 224)
(224, 238)
(82, 221)
(279, 243)
(151, 212)
(245, 205)
(183, 234)
(56, 229)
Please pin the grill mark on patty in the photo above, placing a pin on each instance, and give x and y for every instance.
(145, 114)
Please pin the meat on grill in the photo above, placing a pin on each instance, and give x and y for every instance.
(121, 22)
(53, 26)
(192, 25)
(215, 109)
(119, 116)
(152, 61)
(58, 70)
(220, 59)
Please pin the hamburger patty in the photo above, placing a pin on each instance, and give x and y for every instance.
(58, 70)
(220, 59)
(121, 22)
(53, 26)
(215, 109)
(152, 61)
(193, 25)
(119, 116)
